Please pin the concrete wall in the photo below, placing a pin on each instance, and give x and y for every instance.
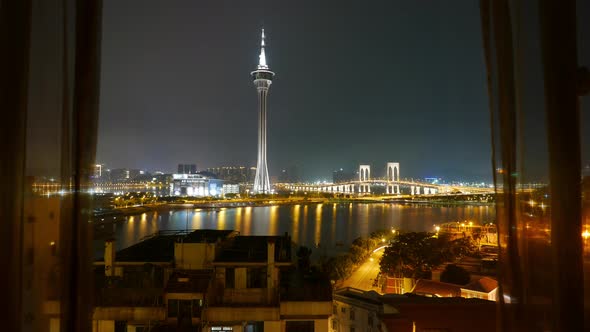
(245, 295)
(129, 313)
(240, 277)
(360, 321)
(307, 308)
(272, 326)
(321, 325)
(233, 314)
(103, 326)
(194, 256)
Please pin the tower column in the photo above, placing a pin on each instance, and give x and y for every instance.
(262, 80)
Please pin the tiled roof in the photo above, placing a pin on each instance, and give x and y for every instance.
(484, 285)
(442, 289)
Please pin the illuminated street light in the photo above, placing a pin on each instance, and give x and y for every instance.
(437, 228)
(586, 234)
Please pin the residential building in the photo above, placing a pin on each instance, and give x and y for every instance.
(413, 313)
(357, 311)
(205, 280)
(484, 288)
(256, 288)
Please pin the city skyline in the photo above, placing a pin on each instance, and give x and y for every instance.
(187, 83)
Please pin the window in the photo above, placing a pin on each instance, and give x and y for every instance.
(254, 327)
(172, 308)
(256, 277)
(299, 326)
(334, 324)
(343, 310)
(197, 306)
(230, 277)
(334, 309)
(351, 314)
(352, 329)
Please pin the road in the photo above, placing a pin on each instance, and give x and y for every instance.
(365, 275)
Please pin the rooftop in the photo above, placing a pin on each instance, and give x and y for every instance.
(254, 249)
(431, 287)
(159, 247)
(484, 285)
(409, 298)
(370, 297)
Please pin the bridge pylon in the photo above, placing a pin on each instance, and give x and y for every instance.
(392, 178)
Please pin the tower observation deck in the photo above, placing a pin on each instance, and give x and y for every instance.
(262, 80)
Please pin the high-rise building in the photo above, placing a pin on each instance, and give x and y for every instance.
(98, 169)
(187, 169)
(262, 79)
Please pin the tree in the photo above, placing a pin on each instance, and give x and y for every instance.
(455, 275)
(412, 255)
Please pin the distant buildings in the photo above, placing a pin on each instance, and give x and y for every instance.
(97, 174)
(120, 174)
(195, 185)
(234, 174)
(229, 188)
(187, 169)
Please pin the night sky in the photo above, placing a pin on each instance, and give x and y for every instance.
(357, 82)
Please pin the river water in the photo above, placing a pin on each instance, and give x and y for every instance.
(326, 228)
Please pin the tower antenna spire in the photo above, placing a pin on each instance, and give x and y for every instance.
(262, 57)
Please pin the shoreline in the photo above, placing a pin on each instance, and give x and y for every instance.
(99, 217)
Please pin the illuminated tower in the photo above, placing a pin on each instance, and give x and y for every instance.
(262, 80)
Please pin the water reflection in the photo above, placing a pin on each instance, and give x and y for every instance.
(295, 228)
(247, 221)
(324, 225)
(273, 220)
(318, 224)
